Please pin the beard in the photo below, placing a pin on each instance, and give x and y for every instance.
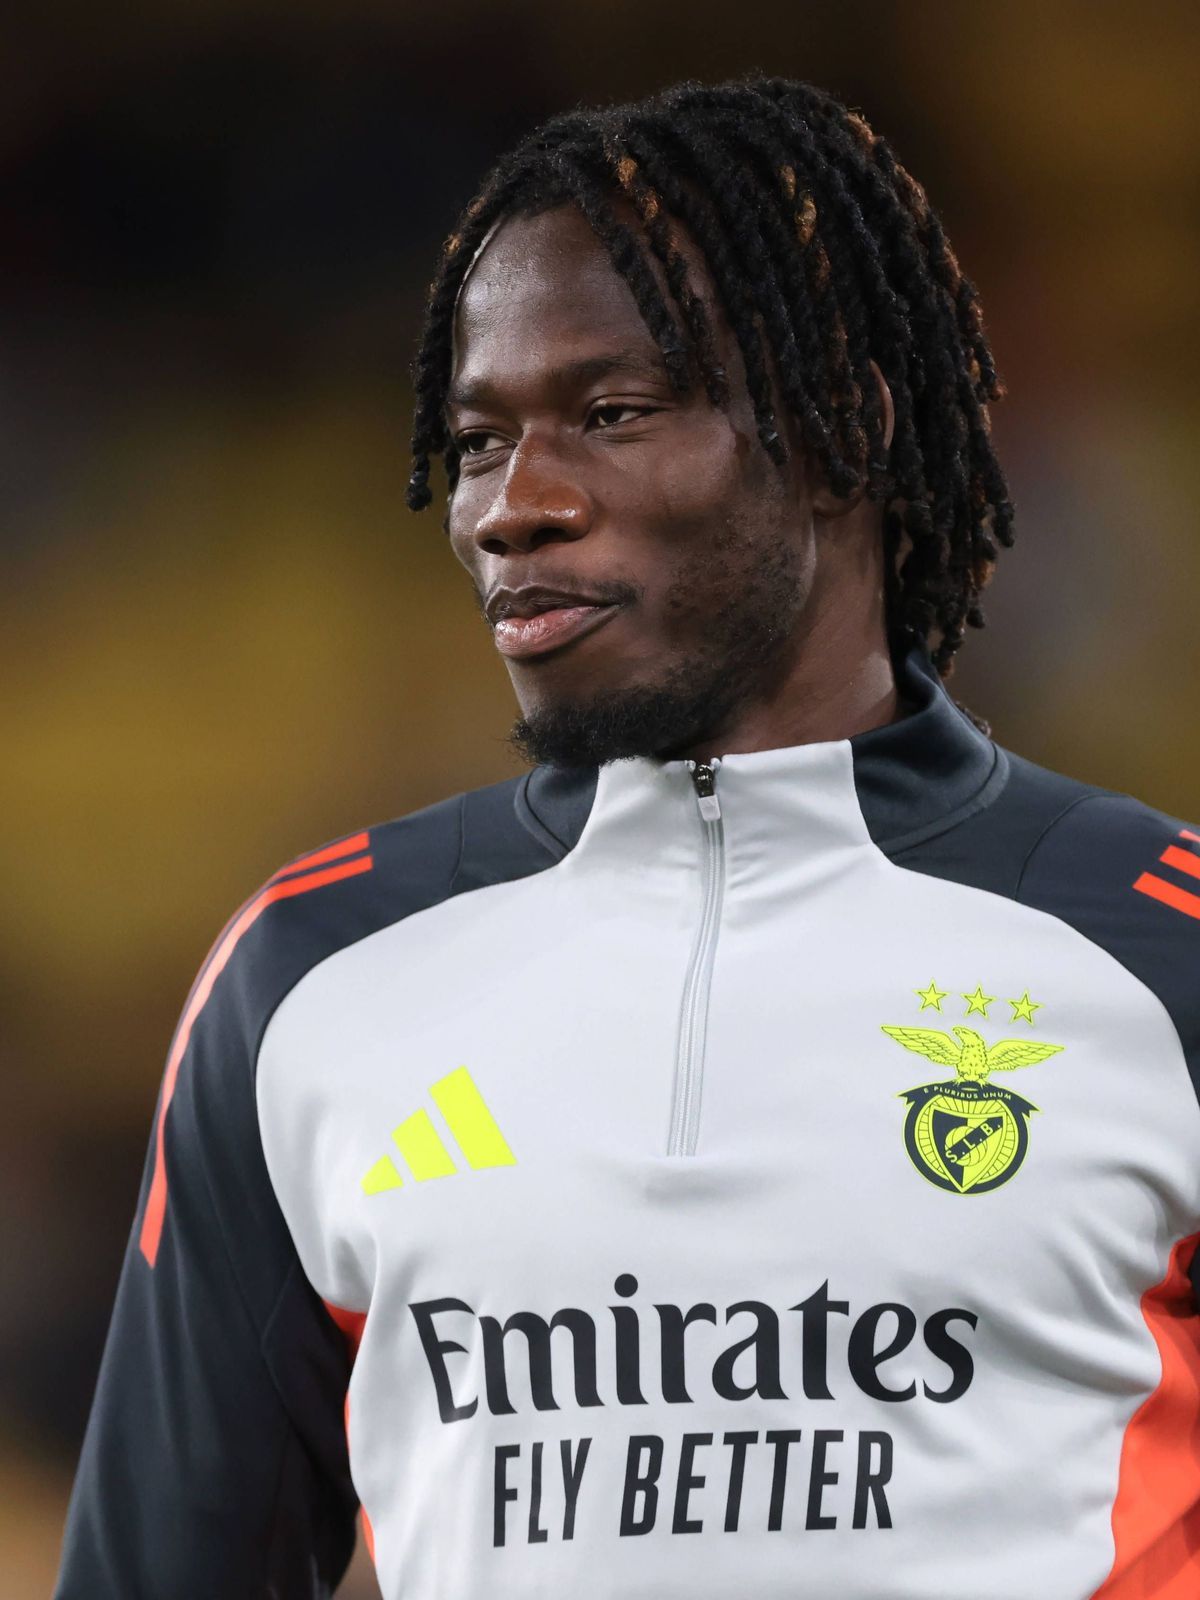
(747, 610)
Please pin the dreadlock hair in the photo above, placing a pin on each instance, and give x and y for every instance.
(825, 255)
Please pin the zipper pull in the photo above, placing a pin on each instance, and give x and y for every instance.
(704, 781)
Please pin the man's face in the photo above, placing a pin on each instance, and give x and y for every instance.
(642, 562)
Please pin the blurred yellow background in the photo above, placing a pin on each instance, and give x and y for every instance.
(225, 641)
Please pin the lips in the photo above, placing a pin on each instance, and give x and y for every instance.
(518, 637)
(534, 621)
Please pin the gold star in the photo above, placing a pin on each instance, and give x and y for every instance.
(931, 998)
(1024, 1008)
(978, 1001)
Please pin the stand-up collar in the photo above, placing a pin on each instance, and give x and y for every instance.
(930, 769)
(905, 781)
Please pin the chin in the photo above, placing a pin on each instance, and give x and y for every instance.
(598, 725)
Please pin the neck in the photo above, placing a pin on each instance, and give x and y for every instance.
(824, 702)
(839, 680)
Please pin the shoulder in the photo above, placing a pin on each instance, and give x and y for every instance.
(330, 897)
(344, 891)
(1128, 877)
(1094, 853)
(1123, 874)
(1102, 844)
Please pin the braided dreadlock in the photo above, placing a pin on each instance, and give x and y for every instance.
(825, 255)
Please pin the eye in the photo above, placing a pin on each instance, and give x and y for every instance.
(616, 411)
(477, 443)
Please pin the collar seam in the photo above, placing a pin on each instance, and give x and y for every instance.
(535, 824)
(986, 795)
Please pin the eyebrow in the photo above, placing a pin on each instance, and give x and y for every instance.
(572, 374)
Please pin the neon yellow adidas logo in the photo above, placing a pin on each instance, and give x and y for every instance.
(465, 1113)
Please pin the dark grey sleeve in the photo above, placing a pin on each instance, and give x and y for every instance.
(215, 1459)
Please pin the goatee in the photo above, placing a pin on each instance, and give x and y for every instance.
(632, 722)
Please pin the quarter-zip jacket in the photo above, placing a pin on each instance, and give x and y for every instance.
(778, 1177)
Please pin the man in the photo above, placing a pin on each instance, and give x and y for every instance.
(642, 1129)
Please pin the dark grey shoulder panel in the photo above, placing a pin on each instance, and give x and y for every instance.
(988, 845)
(215, 1456)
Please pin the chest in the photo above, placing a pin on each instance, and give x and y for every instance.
(922, 1089)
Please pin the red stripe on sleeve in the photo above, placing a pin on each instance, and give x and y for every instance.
(319, 858)
(352, 1323)
(1170, 894)
(1182, 860)
(156, 1204)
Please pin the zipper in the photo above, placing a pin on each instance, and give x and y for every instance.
(693, 1013)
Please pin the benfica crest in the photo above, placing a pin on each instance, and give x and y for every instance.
(965, 1134)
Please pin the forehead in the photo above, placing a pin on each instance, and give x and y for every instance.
(543, 290)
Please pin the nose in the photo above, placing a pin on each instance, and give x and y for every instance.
(540, 501)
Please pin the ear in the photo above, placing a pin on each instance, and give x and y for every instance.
(887, 405)
(824, 502)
